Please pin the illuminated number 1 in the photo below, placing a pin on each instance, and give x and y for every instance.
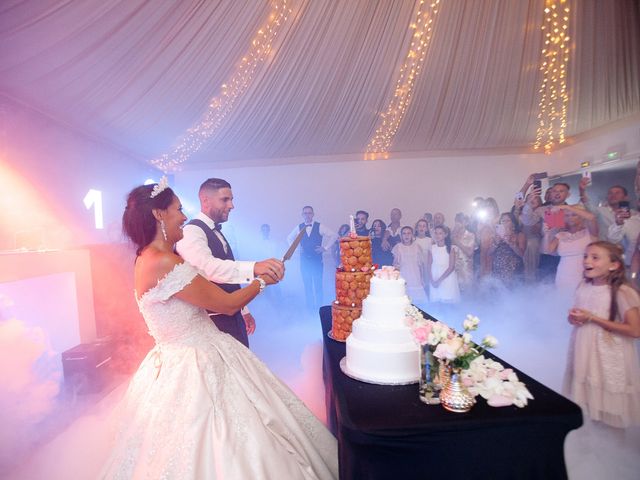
(94, 198)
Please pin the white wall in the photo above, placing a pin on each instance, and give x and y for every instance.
(276, 194)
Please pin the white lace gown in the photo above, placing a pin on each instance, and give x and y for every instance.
(603, 371)
(202, 406)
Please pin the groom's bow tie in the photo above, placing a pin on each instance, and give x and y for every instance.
(217, 226)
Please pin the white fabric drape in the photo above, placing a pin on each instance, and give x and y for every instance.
(139, 73)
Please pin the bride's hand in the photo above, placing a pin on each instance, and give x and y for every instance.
(268, 279)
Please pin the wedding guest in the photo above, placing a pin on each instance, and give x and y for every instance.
(464, 241)
(438, 219)
(507, 250)
(570, 244)
(409, 259)
(361, 220)
(603, 372)
(429, 218)
(441, 267)
(316, 240)
(392, 234)
(606, 214)
(558, 195)
(379, 255)
(532, 232)
(424, 242)
(625, 231)
(634, 275)
(201, 404)
(488, 215)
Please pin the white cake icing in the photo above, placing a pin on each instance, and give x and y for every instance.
(381, 348)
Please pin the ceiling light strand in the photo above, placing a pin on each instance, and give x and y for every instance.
(389, 121)
(554, 98)
(222, 104)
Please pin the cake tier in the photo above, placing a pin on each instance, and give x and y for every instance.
(380, 333)
(383, 363)
(355, 254)
(391, 311)
(341, 320)
(352, 287)
(385, 288)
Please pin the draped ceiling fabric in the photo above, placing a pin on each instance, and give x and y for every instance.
(139, 73)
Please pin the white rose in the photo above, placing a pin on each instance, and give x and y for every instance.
(490, 341)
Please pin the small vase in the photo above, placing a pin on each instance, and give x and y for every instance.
(429, 385)
(454, 396)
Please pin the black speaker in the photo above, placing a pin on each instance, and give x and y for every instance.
(86, 366)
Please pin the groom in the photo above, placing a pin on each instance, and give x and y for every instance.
(205, 247)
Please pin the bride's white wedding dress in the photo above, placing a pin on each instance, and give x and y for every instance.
(202, 406)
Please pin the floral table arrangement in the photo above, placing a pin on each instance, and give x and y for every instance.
(454, 370)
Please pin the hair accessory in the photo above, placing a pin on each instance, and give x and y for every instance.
(162, 185)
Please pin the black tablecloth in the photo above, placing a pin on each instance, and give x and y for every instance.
(386, 432)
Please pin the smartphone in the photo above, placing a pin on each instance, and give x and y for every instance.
(540, 176)
(554, 219)
(537, 184)
(624, 205)
(587, 174)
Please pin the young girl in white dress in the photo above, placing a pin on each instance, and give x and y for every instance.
(408, 257)
(603, 371)
(424, 242)
(441, 267)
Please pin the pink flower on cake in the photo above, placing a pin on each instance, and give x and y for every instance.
(387, 273)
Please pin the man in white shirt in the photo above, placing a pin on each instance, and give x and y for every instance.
(318, 239)
(205, 247)
(605, 214)
(625, 231)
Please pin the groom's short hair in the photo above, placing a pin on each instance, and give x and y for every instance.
(214, 184)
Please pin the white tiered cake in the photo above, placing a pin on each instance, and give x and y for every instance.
(381, 348)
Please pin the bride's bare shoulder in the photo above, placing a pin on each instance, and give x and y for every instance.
(153, 265)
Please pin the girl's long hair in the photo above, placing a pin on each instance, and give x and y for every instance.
(447, 237)
(616, 278)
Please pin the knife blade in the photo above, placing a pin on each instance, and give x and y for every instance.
(294, 245)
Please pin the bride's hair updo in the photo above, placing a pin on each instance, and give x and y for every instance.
(138, 222)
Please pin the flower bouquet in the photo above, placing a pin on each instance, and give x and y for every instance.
(480, 376)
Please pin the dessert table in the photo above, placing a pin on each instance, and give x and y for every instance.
(386, 432)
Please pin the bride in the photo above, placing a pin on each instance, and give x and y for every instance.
(201, 405)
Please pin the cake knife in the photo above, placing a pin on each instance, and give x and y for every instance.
(294, 245)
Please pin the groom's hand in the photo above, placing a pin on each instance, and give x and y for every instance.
(271, 267)
(249, 322)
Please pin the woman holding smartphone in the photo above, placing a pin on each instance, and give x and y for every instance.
(571, 243)
(508, 247)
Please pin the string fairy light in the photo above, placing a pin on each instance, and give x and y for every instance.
(554, 98)
(391, 118)
(221, 105)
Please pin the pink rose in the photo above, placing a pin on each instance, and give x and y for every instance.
(421, 334)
